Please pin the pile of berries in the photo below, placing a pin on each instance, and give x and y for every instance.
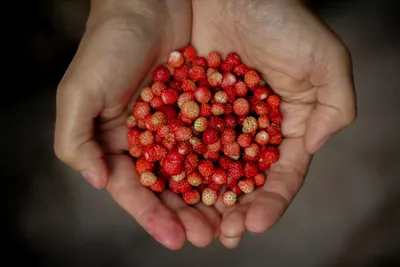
(205, 124)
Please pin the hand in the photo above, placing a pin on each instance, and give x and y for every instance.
(305, 63)
(123, 42)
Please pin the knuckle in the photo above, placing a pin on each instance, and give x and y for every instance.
(63, 154)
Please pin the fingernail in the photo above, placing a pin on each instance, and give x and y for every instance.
(92, 179)
(321, 142)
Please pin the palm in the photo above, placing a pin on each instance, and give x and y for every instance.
(288, 48)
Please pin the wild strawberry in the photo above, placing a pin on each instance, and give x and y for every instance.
(159, 152)
(148, 178)
(241, 107)
(262, 138)
(274, 101)
(219, 176)
(231, 92)
(213, 60)
(240, 120)
(146, 138)
(189, 52)
(140, 110)
(225, 67)
(210, 136)
(156, 102)
(190, 109)
(261, 108)
(184, 97)
(228, 136)
(250, 125)
(172, 168)
(181, 73)
(273, 129)
(135, 150)
(228, 80)
(200, 124)
(224, 162)
(269, 155)
(235, 188)
(175, 85)
(174, 124)
(188, 85)
(182, 134)
(196, 73)
(202, 94)
(205, 110)
(217, 109)
(259, 179)
(276, 139)
(229, 198)
(158, 186)
(169, 112)
(244, 140)
(260, 93)
(246, 185)
(241, 89)
(221, 97)
(215, 147)
(171, 69)
(175, 59)
(232, 150)
(250, 169)
(194, 178)
(233, 59)
(161, 74)
(192, 197)
(191, 162)
(214, 78)
(180, 187)
(200, 61)
(252, 79)
(169, 96)
(211, 155)
(206, 168)
(214, 186)
(184, 148)
(207, 180)
(235, 171)
(273, 111)
(131, 121)
(217, 124)
(185, 119)
(158, 119)
(277, 119)
(252, 150)
(240, 69)
(263, 122)
(209, 196)
(146, 95)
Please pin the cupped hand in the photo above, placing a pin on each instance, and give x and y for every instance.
(305, 63)
(123, 42)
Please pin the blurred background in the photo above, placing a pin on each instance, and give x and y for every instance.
(347, 214)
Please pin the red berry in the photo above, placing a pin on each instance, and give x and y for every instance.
(252, 150)
(233, 59)
(224, 162)
(210, 136)
(194, 178)
(175, 85)
(196, 73)
(181, 73)
(231, 92)
(277, 119)
(252, 79)
(259, 179)
(240, 69)
(276, 139)
(211, 155)
(274, 101)
(241, 89)
(175, 59)
(169, 96)
(263, 122)
(235, 171)
(228, 136)
(209, 196)
(216, 147)
(131, 121)
(232, 150)
(261, 108)
(156, 102)
(146, 95)
(217, 124)
(190, 109)
(191, 162)
(179, 177)
(262, 138)
(246, 185)
(219, 177)
(273, 130)
(269, 155)
(250, 125)
(184, 97)
(158, 186)
(146, 138)
(202, 95)
(200, 61)
(244, 140)
(213, 60)
(135, 150)
(217, 109)
(205, 110)
(206, 168)
(260, 93)
(169, 112)
(182, 134)
(214, 186)
(161, 74)
(250, 169)
(189, 52)
(241, 107)
(214, 78)
(192, 197)
(221, 97)
(141, 110)
(184, 148)
(188, 85)
(225, 67)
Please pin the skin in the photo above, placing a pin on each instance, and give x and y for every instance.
(297, 54)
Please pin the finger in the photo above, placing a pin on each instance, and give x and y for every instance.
(233, 225)
(199, 232)
(212, 215)
(142, 204)
(283, 182)
(109, 64)
(336, 107)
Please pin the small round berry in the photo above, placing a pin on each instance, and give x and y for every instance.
(246, 185)
(218, 109)
(260, 93)
(214, 78)
(262, 138)
(213, 60)
(194, 178)
(252, 150)
(250, 125)
(228, 136)
(183, 134)
(259, 179)
(169, 96)
(175, 59)
(221, 97)
(210, 136)
(179, 177)
(146, 138)
(263, 122)
(241, 107)
(252, 79)
(219, 177)
(189, 52)
(229, 198)
(161, 74)
(206, 168)
(190, 109)
(274, 101)
(209, 196)
(192, 197)
(184, 97)
(244, 140)
(131, 121)
(200, 124)
(229, 121)
(202, 94)
(141, 110)
(135, 150)
(228, 80)
(261, 108)
(196, 73)
(148, 178)
(146, 94)
(157, 88)
(241, 89)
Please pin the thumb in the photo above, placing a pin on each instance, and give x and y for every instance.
(98, 81)
(336, 106)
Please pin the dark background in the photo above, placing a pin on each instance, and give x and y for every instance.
(347, 214)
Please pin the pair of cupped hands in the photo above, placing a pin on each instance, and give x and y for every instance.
(300, 58)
